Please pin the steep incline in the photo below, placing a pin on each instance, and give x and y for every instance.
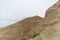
(52, 23)
(20, 29)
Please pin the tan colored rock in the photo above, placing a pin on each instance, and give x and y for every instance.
(35, 28)
(20, 29)
(52, 9)
(52, 22)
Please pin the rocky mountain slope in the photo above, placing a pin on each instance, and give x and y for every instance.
(35, 28)
(20, 29)
(52, 22)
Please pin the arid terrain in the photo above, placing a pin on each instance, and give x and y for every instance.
(35, 28)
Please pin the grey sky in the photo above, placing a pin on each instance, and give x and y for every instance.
(12, 11)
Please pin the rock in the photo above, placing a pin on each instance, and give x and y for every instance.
(20, 29)
(35, 28)
(52, 22)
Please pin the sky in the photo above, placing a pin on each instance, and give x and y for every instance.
(12, 11)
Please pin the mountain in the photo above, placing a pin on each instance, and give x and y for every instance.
(52, 22)
(19, 29)
(35, 28)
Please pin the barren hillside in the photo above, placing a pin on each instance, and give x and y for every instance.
(35, 28)
(52, 22)
(20, 29)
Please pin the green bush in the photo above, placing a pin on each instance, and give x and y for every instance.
(35, 35)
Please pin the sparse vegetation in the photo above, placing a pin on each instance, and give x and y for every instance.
(35, 35)
(23, 39)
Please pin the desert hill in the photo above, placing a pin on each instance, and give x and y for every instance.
(35, 28)
(20, 29)
(52, 22)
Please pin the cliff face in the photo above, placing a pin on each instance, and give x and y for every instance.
(35, 28)
(52, 9)
(52, 13)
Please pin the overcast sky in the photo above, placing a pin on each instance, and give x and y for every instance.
(14, 10)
